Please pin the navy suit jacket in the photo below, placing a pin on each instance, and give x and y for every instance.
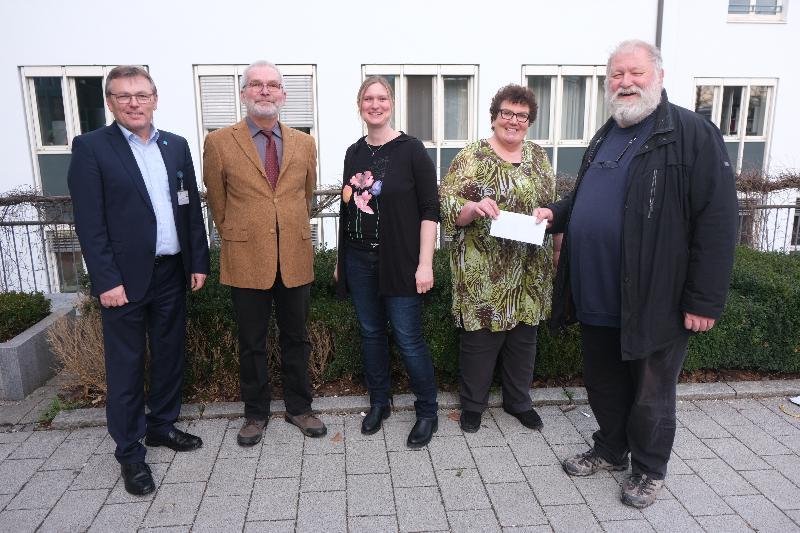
(114, 217)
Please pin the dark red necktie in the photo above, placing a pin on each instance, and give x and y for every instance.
(271, 160)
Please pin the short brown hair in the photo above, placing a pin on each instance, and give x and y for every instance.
(367, 83)
(516, 94)
(128, 71)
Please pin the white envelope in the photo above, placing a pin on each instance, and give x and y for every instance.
(518, 227)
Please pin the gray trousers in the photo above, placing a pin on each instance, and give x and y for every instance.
(633, 401)
(478, 355)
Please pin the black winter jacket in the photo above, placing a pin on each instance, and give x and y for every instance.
(678, 235)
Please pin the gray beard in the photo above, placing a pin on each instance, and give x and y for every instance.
(627, 114)
(254, 111)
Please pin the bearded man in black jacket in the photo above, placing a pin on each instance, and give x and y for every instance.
(646, 257)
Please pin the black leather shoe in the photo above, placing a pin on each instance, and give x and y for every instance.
(470, 421)
(422, 432)
(138, 478)
(374, 419)
(176, 439)
(529, 419)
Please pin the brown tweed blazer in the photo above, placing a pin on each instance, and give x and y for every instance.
(250, 215)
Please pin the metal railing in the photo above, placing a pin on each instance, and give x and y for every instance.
(39, 250)
(770, 228)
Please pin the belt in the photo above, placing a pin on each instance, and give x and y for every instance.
(163, 258)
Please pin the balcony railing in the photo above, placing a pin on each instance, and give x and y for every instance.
(39, 250)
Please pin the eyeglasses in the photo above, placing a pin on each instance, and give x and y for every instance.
(124, 98)
(614, 163)
(272, 86)
(522, 117)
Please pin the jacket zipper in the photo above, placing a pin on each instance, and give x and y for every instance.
(652, 192)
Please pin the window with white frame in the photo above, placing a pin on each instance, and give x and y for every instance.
(220, 105)
(572, 107)
(757, 10)
(434, 103)
(742, 109)
(61, 103)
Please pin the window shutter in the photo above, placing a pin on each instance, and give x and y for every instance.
(218, 101)
(298, 111)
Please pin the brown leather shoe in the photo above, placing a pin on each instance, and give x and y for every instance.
(251, 432)
(309, 424)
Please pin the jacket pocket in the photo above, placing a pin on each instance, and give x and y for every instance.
(230, 233)
(306, 233)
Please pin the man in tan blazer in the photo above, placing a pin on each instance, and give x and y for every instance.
(260, 176)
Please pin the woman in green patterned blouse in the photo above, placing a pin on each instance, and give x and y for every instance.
(501, 288)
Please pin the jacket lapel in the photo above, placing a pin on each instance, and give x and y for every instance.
(170, 163)
(242, 135)
(120, 145)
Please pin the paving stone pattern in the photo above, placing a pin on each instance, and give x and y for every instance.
(735, 467)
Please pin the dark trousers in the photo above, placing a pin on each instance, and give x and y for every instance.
(477, 358)
(253, 308)
(633, 401)
(404, 313)
(161, 316)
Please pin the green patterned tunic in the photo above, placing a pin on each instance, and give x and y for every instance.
(498, 283)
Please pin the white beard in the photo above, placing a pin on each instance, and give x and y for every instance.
(627, 114)
(262, 109)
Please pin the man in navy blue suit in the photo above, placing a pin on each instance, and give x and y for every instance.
(139, 222)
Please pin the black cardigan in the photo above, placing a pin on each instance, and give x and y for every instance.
(409, 196)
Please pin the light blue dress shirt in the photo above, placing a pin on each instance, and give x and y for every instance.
(151, 165)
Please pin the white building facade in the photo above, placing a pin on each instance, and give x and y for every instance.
(728, 59)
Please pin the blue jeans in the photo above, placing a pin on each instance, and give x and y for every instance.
(405, 315)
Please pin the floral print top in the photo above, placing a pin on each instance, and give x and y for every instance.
(498, 283)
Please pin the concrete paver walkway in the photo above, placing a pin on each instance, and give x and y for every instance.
(735, 467)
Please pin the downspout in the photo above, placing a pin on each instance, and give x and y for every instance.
(659, 22)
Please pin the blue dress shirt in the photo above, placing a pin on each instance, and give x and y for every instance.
(151, 165)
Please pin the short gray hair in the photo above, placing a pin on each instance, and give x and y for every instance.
(632, 44)
(259, 63)
(128, 71)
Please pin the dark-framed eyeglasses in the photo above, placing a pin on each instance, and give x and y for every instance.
(271, 86)
(522, 116)
(125, 98)
(614, 163)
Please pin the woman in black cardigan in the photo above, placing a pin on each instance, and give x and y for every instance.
(387, 233)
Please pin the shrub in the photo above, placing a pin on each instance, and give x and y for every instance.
(759, 330)
(19, 311)
(760, 327)
(78, 344)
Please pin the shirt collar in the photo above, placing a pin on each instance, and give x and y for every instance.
(129, 135)
(255, 130)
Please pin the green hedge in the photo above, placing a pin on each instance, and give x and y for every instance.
(19, 311)
(759, 330)
(760, 327)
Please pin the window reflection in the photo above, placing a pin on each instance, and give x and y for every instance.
(572, 107)
(50, 103)
(420, 107)
(91, 108)
(757, 110)
(541, 87)
(456, 107)
(731, 110)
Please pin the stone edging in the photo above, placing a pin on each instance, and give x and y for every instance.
(448, 400)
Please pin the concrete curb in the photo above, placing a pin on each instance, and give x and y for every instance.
(448, 400)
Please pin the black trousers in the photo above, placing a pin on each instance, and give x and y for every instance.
(633, 401)
(161, 316)
(253, 308)
(478, 355)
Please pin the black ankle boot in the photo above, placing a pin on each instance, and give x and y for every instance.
(422, 432)
(374, 419)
